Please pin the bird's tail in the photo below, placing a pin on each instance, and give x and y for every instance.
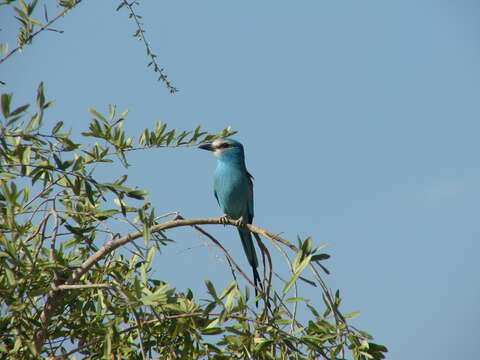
(249, 249)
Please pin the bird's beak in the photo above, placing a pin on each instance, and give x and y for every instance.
(207, 146)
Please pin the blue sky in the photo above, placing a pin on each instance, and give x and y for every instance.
(360, 122)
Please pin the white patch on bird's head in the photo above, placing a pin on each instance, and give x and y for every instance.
(219, 146)
(216, 143)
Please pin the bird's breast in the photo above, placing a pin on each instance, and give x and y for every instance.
(231, 188)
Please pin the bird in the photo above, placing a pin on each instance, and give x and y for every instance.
(233, 189)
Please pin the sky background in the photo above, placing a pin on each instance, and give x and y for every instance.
(360, 121)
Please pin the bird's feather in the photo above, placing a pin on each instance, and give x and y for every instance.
(233, 189)
(250, 197)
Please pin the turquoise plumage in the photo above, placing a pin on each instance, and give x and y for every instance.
(233, 189)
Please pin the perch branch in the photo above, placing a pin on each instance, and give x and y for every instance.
(54, 298)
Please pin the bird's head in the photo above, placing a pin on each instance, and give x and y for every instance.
(225, 149)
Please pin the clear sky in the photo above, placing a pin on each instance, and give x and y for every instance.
(361, 123)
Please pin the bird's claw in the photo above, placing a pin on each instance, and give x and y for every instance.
(224, 220)
(239, 221)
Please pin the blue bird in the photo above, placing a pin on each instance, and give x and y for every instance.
(233, 189)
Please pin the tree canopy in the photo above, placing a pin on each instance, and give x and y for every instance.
(76, 250)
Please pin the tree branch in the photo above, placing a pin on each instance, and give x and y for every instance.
(82, 287)
(140, 34)
(54, 298)
(43, 28)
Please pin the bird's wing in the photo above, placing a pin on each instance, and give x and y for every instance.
(216, 197)
(250, 197)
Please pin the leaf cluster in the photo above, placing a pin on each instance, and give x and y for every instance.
(56, 214)
(67, 290)
(31, 26)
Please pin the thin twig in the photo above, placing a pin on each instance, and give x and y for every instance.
(53, 255)
(266, 253)
(289, 263)
(81, 287)
(54, 299)
(141, 34)
(135, 315)
(44, 27)
(169, 317)
(36, 232)
(166, 215)
(230, 260)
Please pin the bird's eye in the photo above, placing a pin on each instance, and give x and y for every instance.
(223, 145)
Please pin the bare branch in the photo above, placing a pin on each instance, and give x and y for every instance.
(53, 239)
(289, 263)
(81, 287)
(140, 34)
(266, 253)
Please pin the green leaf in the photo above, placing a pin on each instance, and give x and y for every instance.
(296, 299)
(3, 49)
(40, 96)
(298, 269)
(213, 323)
(377, 347)
(114, 186)
(6, 176)
(212, 331)
(228, 289)
(26, 155)
(365, 334)
(137, 194)
(313, 311)
(89, 191)
(121, 180)
(147, 234)
(229, 302)
(366, 354)
(105, 214)
(320, 257)
(156, 298)
(111, 112)
(122, 116)
(351, 315)
(68, 4)
(307, 245)
(57, 127)
(309, 282)
(97, 115)
(19, 110)
(34, 122)
(6, 99)
(211, 289)
(58, 161)
(10, 277)
(122, 205)
(150, 255)
(262, 344)
(13, 120)
(290, 283)
(39, 173)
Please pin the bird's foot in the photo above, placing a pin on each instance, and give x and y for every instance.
(224, 219)
(239, 222)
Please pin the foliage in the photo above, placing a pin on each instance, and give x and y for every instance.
(55, 215)
(31, 26)
(74, 281)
